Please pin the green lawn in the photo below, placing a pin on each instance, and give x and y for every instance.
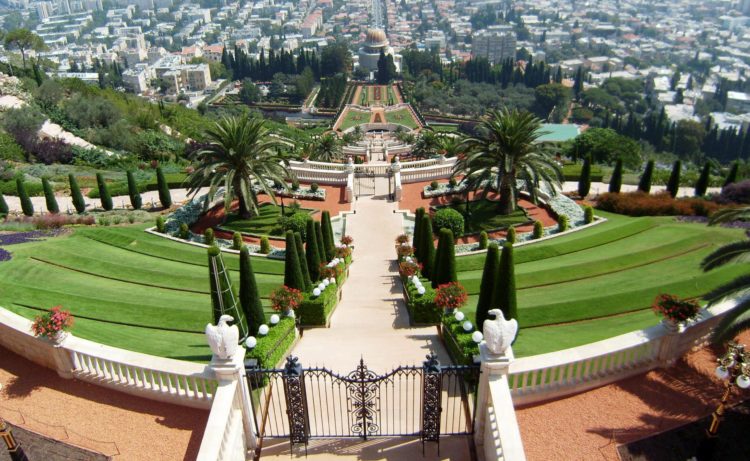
(484, 216)
(599, 283)
(266, 223)
(353, 118)
(125, 287)
(401, 117)
(444, 127)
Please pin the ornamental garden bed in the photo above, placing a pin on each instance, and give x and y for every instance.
(267, 222)
(483, 216)
(317, 311)
(272, 348)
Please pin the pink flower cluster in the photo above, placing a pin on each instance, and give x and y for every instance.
(52, 322)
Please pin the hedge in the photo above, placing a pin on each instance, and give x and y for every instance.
(461, 347)
(448, 218)
(315, 311)
(421, 308)
(274, 346)
(34, 189)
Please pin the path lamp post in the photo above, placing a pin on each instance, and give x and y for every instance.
(14, 449)
(733, 369)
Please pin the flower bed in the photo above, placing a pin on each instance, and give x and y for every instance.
(188, 213)
(459, 343)
(316, 310)
(662, 204)
(271, 348)
(563, 205)
(443, 189)
(305, 193)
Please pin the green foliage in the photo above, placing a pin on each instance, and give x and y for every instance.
(249, 297)
(422, 308)
(448, 218)
(605, 145)
(427, 247)
(319, 241)
(292, 271)
(23, 196)
(588, 214)
(273, 347)
(445, 261)
(701, 186)
(644, 185)
(303, 261)
(417, 238)
(461, 347)
(673, 186)
(312, 254)
(316, 310)
(483, 240)
(732, 175)
(161, 226)
(314, 187)
(511, 235)
(104, 195)
(487, 286)
(4, 210)
(295, 222)
(563, 223)
(208, 237)
(9, 148)
(584, 182)
(538, 231)
(237, 241)
(165, 197)
(184, 232)
(615, 182)
(135, 196)
(265, 245)
(327, 231)
(506, 284)
(49, 197)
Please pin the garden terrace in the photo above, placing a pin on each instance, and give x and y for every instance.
(484, 216)
(265, 223)
(125, 287)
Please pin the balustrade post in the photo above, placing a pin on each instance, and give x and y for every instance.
(63, 360)
(494, 366)
(668, 352)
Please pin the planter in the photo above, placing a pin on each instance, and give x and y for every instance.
(670, 325)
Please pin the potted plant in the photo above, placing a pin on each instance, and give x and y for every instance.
(347, 240)
(285, 299)
(674, 310)
(450, 296)
(53, 324)
(409, 268)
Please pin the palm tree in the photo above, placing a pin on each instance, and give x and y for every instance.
(427, 144)
(327, 149)
(240, 154)
(738, 319)
(505, 150)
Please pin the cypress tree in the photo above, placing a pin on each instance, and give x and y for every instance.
(701, 186)
(427, 247)
(303, 261)
(209, 238)
(510, 236)
(164, 195)
(249, 297)
(615, 182)
(584, 181)
(292, 270)
(673, 186)
(327, 230)
(26, 206)
(49, 197)
(487, 287)
(311, 252)
(135, 196)
(4, 209)
(104, 196)
(644, 185)
(483, 240)
(506, 284)
(76, 195)
(445, 262)
(732, 175)
(417, 238)
(319, 241)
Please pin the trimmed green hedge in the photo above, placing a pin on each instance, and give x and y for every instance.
(315, 311)
(8, 188)
(274, 346)
(422, 309)
(461, 347)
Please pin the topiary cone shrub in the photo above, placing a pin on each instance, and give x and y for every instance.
(104, 195)
(4, 209)
(327, 233)
(615, 182)
(588, 215)
(249, 297)
(417, 237)
(160, 224)
(426, 247)
(303, 261)
(165, 197)
(319, 241)
(701, 185)
(506, 284)
(562, 223)
(292, 271)
(538, 231)
(445, 260)
(511, 235)
(208, 237)
(312, 255)
(265, 245)
(135, 196)
(673, 185)
(75, 194)
(49, 197)
(26, 206)
(483, 240)
(584, 181)
(644, 185)
(732, 175)
(184, 231)
(237, 242)
(487, 285)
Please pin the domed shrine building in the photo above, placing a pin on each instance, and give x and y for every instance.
(369, 52)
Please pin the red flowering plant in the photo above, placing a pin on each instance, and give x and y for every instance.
(409, 268)
(451, 295)
(675, 309)
(347, 240)
(285, 298)
(343, 252)
(404, 250)
(52, 323)
(403, 238)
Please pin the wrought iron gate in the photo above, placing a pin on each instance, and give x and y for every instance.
(422, 401)
(365, 183)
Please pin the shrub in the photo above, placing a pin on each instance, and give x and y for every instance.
(588, 215)
(285, 298)
(104, 196)
(131, 218)
(434, 185)
(302, 261)
(562, 223)
(506, 284)
(116, 220)
(295, 222)
(403, 238)
(327, 230)
(452, 182)
(49, 197)
(584, 181)
(75, 194)
(673, 185)
(675, 309)
(483, 240)
(445, 260)
(237, 241)
(4, 210)
(640, 204)
(104, 221)
(165, 197)
(312, 255)
(417, 238)
(314, 187)
(487, 285)
(295, 185)
(404, 250)
(271, 348)
(732, 175)
(644, 185)
(511, 235)
(160, 224)
(320, 241)
(265, 245)
(701, 185)
(538, 231)
(408, 268)
(184, 231)
(451, 295)
(249, 297)
(292, 271)
(448, 218)
(426, 247)
(135, 196)
(615, 182)
(738, 192)
(26, 206)
(208, 237)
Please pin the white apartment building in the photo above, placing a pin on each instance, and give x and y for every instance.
(495, 43)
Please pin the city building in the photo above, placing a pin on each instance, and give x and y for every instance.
(495, 43)
(369, 52)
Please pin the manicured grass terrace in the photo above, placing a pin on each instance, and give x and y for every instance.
(484, 216)
(266, 223)
(353, 118)
(401, 117)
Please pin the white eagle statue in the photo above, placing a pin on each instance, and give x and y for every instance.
(222, 338)
(499, 333)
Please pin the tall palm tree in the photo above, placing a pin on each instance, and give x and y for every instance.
(327, 148)
(504, 150)
(240, 153)
(738, 319)
(427, 144)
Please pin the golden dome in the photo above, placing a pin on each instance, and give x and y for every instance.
(376, 37)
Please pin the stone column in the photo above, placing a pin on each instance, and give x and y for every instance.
(63, 361)
(668, 352)
(493, 366)
(233, 369)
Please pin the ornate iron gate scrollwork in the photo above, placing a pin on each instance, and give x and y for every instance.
(363, 397)
(432, 393)
(296, 400)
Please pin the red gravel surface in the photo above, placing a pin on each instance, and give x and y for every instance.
(96, 418)
(590, 426)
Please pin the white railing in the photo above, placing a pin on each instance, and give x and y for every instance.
(165, 380)
(548, 376)
(223, 438)
(369, 168)
(321, 176)
(317, 165)
(419, 164)
(429, 173)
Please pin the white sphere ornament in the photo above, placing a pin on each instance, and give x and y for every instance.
(332, 280)
(274, 319)
(322, 286)
(263, 330)
(316, 291)
(477, 337)
(420, 290)
(722, 372)
(743, 381)
(467, 326)
(250, 342)
(325, 282)
(459, 316)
